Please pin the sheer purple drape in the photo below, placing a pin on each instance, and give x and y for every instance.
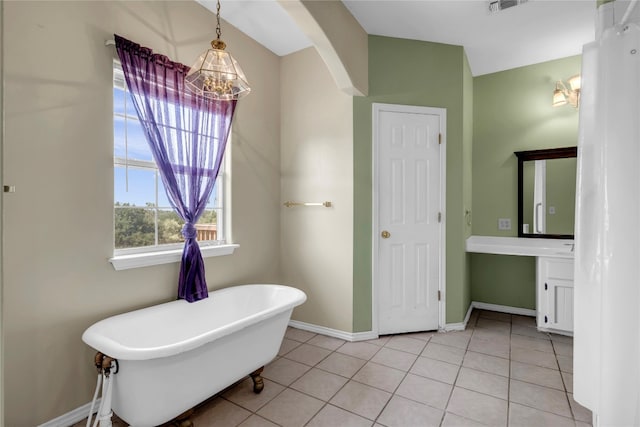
(187, 135)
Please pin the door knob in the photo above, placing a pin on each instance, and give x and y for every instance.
(385, 234)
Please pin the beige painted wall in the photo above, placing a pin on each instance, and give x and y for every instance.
(58, 152)
(348, 44)
(317, 166)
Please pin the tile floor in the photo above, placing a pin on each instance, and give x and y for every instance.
(500, 371)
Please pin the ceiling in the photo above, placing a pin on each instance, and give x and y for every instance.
(532, 32)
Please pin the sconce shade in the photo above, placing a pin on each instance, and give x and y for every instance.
(575, 82)
(558, 97)
(217, 75)
(563, 96)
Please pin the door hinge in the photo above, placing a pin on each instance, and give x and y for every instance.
(546, 287)
(439, 216)
(439, 138)
(439, 296)
(545, 319)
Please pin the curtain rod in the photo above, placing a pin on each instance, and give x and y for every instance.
(109, 42)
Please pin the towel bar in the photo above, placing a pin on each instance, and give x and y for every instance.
(290, 204)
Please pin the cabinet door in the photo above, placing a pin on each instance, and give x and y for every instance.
(560, 304)
(555, 287)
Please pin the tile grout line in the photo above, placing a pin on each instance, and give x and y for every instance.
(288, 387)
(453, 386)
(460, 367)
(327, 402)
(406, 373)
(375, 421)
(566, 393)
(351, 379)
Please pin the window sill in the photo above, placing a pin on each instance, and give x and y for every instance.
(125, 262)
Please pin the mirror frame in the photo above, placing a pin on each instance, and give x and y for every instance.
(546, 154)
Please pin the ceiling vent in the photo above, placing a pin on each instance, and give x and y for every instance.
(498, 5)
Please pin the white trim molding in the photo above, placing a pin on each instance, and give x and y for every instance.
(459, 326)
(145, 259)
(503, 309)
(490, 307)
(448, 327)
(335, 333)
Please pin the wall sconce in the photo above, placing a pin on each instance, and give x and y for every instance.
(563, 95)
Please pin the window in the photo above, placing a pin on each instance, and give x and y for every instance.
(144, 220)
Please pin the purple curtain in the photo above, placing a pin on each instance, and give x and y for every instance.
(187, 134)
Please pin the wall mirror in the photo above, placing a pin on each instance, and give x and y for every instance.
(547, 192)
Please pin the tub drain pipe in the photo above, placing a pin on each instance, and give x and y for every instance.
(105, 366)
(93, 402)
(105, 413)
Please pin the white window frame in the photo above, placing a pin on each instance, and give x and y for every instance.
(127, 258)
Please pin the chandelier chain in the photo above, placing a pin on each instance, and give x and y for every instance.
(218, 32)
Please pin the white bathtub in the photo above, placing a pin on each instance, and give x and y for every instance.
(173, 356)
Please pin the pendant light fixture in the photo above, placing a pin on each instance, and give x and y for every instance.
(216, 74)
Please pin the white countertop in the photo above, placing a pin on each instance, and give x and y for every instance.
(558, 248)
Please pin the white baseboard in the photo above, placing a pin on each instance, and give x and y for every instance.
(335, 333)
(370, 335)
(459, 326)
(72, 417)
(503, 308)
(486, 306)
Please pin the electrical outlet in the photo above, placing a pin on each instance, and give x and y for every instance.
(552, 210)
(504, 223)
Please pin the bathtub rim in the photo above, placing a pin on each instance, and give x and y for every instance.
(95, 337)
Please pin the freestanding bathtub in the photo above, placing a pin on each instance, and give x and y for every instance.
(173, 356)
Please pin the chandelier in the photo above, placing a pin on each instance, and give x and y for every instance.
(216, 74)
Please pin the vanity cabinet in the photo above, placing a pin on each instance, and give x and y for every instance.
(554, 275)
(554, 294)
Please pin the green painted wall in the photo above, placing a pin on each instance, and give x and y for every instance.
(413, 73)
(467, 179)
(512, 112)
(561, 195)
(504, 280)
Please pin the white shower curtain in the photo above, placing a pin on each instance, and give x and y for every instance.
(607, 255)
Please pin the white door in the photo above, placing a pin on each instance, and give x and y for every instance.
(409, 207)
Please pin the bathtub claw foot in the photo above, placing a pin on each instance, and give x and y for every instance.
(258, 382)
(184, 419)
